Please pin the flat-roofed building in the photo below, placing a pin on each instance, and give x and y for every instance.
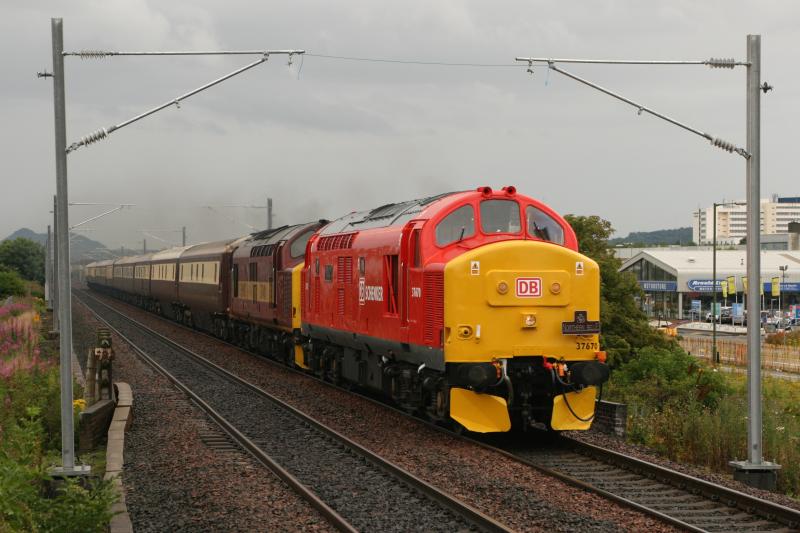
(671, 279)
(776, 215)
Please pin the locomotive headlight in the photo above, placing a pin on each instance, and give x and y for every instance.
(555, 287)
(502, 287)
(528, 320)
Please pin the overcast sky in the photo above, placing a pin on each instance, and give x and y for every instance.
(340, 135)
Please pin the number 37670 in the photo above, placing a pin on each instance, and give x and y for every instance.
(587, 346)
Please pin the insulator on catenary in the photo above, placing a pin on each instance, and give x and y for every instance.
(715, 62)
(93, 54)
(725, 145)
(94, 137)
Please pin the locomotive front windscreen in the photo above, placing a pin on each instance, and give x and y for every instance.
(542, 226)
(500, 216)
(458, 225)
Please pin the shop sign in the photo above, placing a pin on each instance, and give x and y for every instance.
(703, 285)
(656, 286)
(785, 287)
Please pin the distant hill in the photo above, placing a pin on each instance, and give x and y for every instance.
(82, 249)
(655, 238)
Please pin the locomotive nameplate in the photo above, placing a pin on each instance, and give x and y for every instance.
(580, 326)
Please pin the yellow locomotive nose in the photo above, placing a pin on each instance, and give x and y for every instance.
(530, 309)
(524, 291)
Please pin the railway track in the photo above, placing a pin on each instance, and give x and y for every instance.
(682, 500)
(679, 499)
(353, 488)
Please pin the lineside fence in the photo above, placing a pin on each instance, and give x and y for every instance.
(774, 357)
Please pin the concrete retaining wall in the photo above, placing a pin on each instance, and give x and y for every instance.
(123, 414)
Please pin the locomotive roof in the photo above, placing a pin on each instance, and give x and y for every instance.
(104, 262)
(273, 236)
(381, 217)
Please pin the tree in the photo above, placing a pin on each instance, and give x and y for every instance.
(10, 283)
(624, 325)
(25, 257)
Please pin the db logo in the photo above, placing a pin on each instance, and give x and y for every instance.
(529, 287)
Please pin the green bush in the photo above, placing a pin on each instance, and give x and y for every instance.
(24, 256)
(10, 283)
(658, 377)
(25, 504)
(36, 388)
(688, 412)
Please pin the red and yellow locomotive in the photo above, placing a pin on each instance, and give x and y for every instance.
(473, 307)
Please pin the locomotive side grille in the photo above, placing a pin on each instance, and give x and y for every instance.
(285, 294)
(340, 269)
(348, 265)
(336, 242)
(344, 269)
(340, 301)
(433, 293)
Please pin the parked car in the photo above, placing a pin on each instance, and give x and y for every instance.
(725, 316)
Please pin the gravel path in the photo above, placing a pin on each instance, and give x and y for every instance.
(516, 495)
(176, 482)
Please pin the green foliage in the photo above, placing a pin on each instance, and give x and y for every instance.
(10, 283)
(26, 505)
(655, 238)
(658, 377)
(35, 389)
(624, 326)
(24, 256)
(687, 411)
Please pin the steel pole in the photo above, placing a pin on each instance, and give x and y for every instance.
(63, 274)
(269, 213)
(754, 444)
(714, 297)
(183, 241)
(48, 273)
(754, 471)
(54, 267)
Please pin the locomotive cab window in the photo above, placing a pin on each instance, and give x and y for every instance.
(298, 247)
(500, 216)
(543, 226)
(456, 226)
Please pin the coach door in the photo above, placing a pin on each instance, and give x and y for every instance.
(411, 277)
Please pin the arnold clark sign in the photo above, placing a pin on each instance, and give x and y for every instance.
(703, 285)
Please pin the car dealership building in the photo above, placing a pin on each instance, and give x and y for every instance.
(675, 280)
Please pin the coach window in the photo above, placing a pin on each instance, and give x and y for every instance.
(298, 247)
(543, 226)
(456, 226)
(500, 216)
